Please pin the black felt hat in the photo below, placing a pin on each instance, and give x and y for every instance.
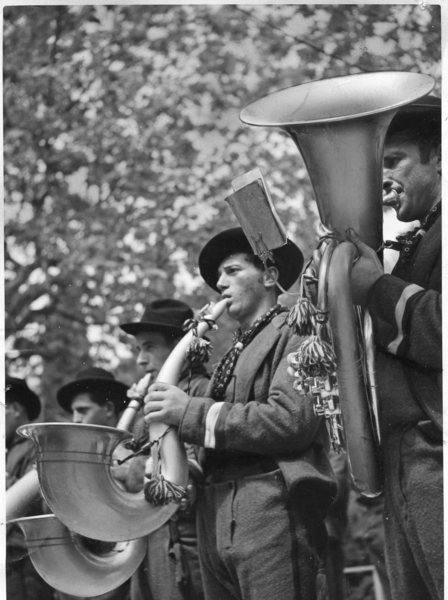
(17, 390)
(161, 315)
(418, 115)
(90, 380)
(288, 258)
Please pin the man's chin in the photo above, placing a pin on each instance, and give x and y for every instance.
(232, 311)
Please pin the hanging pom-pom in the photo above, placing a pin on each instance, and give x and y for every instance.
(314, 358)
(302, 317)
(160, 491)
(199, 351)
(317, 358)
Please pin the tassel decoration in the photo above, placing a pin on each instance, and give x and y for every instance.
(302, 317)
(160, 491)
(199, 351)
(314, 358)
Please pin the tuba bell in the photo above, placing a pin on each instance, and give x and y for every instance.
(339, 126)
(75, 465)
(76, 565)
(68, 561)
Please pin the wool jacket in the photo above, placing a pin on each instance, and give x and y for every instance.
(263, 415)
(406, 308)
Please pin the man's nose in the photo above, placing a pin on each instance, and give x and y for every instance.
(222, 282)
(76, 417)
(142, 358)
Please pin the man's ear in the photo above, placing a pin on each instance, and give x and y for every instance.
(270, 276)
(18, 409)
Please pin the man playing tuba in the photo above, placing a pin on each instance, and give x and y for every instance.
(406, 307)
(22, 406)
(94, 397)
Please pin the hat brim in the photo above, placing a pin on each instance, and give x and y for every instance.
(422, 117)
(288, 258)
(115, 389)
(140, 326)
(430, 104)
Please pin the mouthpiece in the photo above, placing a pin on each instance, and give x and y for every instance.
(392, 196)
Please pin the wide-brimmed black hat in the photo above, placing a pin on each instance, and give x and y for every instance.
(165, 315)
(17, 390)
(90, 380)
(422, 113)
(288, 258)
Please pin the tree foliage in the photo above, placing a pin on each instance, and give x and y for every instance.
(121, 138)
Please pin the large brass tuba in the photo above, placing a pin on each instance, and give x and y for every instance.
(68, 561)
(76, 565)
(339, 125)
(79, 458)
(74, 465)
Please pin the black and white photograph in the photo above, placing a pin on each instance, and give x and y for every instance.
(222, 302)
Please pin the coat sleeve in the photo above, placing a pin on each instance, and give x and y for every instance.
(280, 423)
(407, 321)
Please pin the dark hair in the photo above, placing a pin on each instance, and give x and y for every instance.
(256, 261)
(170, 336)
(100, 397)
(424, 131)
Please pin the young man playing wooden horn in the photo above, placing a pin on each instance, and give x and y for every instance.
(22, 406)
(170, 570)
(406, 307)
(267, 476)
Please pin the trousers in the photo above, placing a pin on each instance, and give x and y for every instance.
(170, 569)
(256, 543)
(413, 515)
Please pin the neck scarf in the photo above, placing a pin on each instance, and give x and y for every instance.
(224, 371)
(407, 243)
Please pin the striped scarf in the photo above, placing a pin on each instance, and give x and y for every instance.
(224, 370)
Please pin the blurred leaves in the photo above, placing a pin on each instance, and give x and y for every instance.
(121, 138)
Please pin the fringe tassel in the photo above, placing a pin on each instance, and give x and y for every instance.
(160, 491)
(302, 317)
(314, 358)
(199, 351)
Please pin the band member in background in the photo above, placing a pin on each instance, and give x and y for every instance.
(22, 406)
(95, 397)
(170, 570)
(268, 481)
(406, 307)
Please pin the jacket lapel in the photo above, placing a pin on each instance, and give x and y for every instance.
(252, 358)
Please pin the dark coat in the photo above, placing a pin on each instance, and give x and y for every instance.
(262, 414)
(406, 308)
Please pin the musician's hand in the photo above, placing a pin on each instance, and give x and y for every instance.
(165, 403)
(131, 473)
(189, 500)
(366, 269)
